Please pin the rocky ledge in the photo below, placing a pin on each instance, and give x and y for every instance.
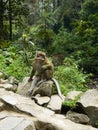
(18, 112)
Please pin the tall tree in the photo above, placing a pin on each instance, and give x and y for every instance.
(46, 22)
(87, 31)
(12, 12)
(1, 19)
(10, 20)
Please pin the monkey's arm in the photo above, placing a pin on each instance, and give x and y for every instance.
(48, 66)
(32, 73)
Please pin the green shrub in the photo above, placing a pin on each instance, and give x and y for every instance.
(72, 103)
(70, 77)
(12, 63)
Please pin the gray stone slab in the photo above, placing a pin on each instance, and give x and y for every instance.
(9, 99)
(25, 125)
(55, 103)
(10, 123)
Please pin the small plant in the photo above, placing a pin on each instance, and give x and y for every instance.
(71, 103)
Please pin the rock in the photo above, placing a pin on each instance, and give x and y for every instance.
(13, 80)
(3, 115)
(77, 117)
(16, 123)
(9, 99)
(44, 89)
(73, 94)
(10, 112)
(22, 113)
(53, 123)
(55, 103)
(24, 86)
(41, 100)
(89, 103)
(2, 81)
(7, 86)
(23, 104)
(6, 123)
(25, 125)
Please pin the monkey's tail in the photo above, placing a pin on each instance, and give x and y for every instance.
(57, 87)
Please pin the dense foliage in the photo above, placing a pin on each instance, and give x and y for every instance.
(61, 28)
(12, 63)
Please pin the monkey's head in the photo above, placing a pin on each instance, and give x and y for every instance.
(40, 56)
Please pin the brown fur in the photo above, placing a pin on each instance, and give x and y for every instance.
(42, 66)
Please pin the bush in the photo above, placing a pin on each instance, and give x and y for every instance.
(13, 64)
(70, 77)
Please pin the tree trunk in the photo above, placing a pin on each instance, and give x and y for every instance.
(1, 19)
(10, 20)
(81, 4)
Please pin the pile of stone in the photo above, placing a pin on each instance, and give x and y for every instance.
(18, 112)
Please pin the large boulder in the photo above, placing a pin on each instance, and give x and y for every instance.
(89, 103)
(44, 89)
(77, 117)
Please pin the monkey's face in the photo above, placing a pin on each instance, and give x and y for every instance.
(40, 56)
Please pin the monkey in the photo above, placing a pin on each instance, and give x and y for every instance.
(42, 66)
(42, 69)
